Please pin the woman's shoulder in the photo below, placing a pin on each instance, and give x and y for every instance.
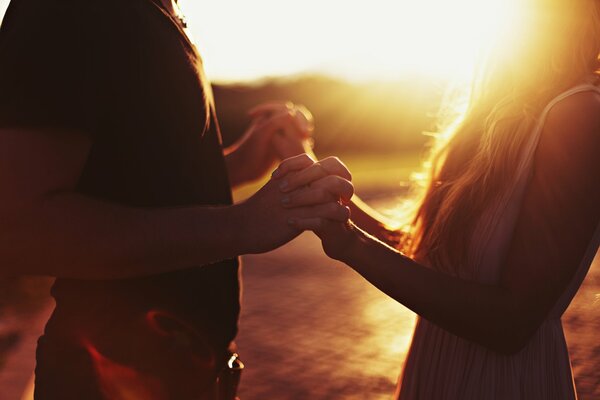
(579, 111)
(575, 121)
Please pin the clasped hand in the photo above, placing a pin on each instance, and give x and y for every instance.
(303, 194)
(278, 131)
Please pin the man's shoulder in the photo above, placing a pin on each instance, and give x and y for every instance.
(40, 18)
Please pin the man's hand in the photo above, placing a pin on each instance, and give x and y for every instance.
(267, 222)
(271, 216)
(278, 131)
(48, 228)
(324, 181)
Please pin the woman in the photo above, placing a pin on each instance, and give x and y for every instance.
(508, 224)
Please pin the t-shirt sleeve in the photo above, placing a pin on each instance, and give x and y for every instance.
(50, 66)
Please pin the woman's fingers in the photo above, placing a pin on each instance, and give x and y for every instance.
(299, 116)
(270, 107)
(320, 215)
(304, 119)
(340, 187)
(286, 147)
(292, 164)
(316, 171)
(278, 121)
(309, 224)
(329, 188)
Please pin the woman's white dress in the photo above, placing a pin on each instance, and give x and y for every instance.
(442, 366)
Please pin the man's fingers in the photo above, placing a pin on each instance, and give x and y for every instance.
(318, 170)
(304, 177)
(335, 166)
(308, 197)
(292, 164)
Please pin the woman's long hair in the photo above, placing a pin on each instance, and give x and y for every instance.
(476, 161)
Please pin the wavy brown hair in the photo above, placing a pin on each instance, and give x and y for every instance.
(474, 164)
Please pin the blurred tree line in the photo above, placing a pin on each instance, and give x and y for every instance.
(350, 117)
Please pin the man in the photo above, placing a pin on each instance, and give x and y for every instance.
(114, 181)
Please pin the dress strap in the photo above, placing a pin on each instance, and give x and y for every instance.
(535, 138)
(524, 170)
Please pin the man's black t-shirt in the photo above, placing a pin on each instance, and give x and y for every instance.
(123, 72)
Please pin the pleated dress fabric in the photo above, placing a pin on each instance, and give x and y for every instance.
(442, 366)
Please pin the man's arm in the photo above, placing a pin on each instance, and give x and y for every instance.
(48, 228)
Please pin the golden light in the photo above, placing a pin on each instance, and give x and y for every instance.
(379, 39)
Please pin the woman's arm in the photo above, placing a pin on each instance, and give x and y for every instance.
(557, 221)
(362, 215)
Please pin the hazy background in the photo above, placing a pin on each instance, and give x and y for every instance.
(374, 75)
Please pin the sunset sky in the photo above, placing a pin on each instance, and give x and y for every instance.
(376, 39)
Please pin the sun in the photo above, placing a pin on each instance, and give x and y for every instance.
(379, 39)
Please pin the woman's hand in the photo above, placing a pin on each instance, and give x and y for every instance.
(277, 131)
(292, 139)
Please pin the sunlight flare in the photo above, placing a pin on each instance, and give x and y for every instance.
(381, 39)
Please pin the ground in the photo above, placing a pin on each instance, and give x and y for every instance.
(313, 329)
(310, 328)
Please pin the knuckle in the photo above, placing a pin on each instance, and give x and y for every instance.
(348, 188)
(346, 214)
(330, 180)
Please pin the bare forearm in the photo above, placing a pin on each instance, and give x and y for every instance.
(73, 236)
(477, 312)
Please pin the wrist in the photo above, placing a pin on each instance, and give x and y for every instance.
(354, 245)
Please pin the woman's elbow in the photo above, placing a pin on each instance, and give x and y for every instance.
(512, 336)
(509, 347)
